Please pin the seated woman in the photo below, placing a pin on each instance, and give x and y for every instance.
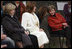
(31, 22)
(58, 24)
(43, 15)
(13, 29)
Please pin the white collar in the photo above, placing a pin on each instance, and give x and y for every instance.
(12, 16)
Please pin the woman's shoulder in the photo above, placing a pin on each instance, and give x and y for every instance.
(26, 14)
(6, 16)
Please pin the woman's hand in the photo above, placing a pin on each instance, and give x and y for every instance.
(41, 29)
(65, 25)
(26, 32)
(3, 36)
(3, 46)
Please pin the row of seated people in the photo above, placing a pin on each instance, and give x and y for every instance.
(21, 36)
(30, 25)
(7, 42)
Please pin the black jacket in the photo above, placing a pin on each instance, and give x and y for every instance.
(14, 30)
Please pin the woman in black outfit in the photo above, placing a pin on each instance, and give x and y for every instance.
(13, 28)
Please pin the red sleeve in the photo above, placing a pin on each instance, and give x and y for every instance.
(63, 19)
(53, 25)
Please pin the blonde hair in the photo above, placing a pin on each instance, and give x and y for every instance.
(9, 7)
(50, 7)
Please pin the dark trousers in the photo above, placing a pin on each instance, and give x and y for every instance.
(34, 42)
(9, 42)
(66, 32)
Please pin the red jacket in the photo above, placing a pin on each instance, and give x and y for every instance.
(56, 22)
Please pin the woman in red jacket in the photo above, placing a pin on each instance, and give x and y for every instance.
(58, 24)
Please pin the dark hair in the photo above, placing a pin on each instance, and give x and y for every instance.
(30, 6)
(42, 11)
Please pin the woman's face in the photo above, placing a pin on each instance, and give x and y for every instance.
(34, 9)
(52, 12)
(22, 9)
(12, 12)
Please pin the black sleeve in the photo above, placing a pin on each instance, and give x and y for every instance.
(9, 27)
